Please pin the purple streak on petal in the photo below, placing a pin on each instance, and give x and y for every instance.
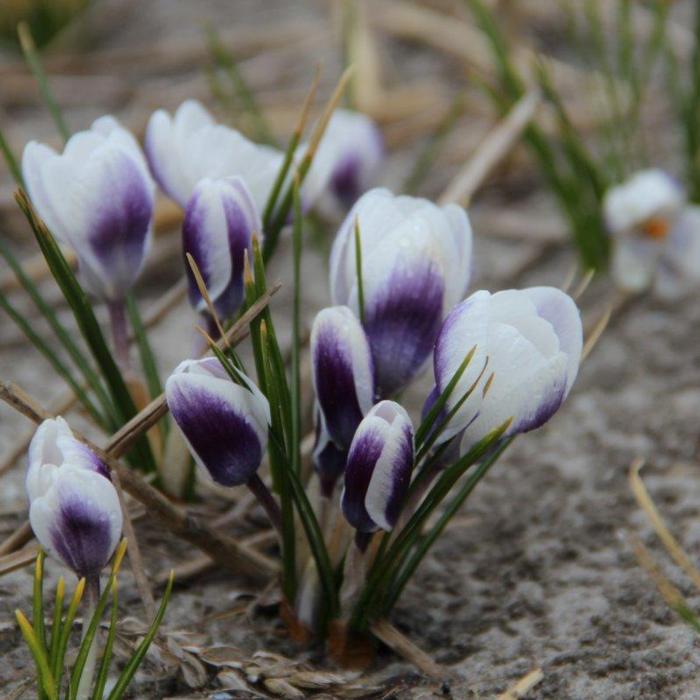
(225, 442)
(120, 225)
(402, 323)
(329, 461)
(335, 385)
(82, 535)
(401, 477)
(345, 181)
(544, 411)
(358, 471)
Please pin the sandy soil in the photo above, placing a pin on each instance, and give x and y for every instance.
(537, 570)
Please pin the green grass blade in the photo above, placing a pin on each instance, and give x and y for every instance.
(11, 160)
(56, 626)
(295, 389)
(31, 55)
(90, 329)
(63, 336)
(66, 629)
(358, 271)
(46, 679)
(60, 368)
(101, 680)
(426, 542)
(38, 599)
(135, 661)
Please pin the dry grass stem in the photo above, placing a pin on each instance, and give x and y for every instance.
(492, 150)
(669, 541)
(523, 686)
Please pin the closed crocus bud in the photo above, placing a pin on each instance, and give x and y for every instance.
(224, 424)
(640, 214)
(220, 221)
(530, 342)
(378, 470)
(184, 148)
(347, 161)
(416, 264)
(74, 508)
(97, 198)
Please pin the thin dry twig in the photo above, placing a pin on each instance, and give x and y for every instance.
(523, 686)
(403, 646)
(671, 544)
(492, 150)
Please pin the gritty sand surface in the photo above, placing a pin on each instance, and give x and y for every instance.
(537, 570)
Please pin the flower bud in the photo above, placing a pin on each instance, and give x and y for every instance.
(416, 263)
(74, 508)
(530, 342)
(96, 197)
(189, 146)
(378, 469)
(220, 221)
(224, 424)
(346, 163)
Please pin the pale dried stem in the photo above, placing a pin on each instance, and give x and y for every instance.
(522, 687)
(672, 545)
(492, 150)
(387, 633)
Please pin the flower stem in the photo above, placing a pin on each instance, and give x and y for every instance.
(267, 501)
(92, 589)
(120, 333)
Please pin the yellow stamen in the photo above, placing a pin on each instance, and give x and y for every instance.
(656, 227)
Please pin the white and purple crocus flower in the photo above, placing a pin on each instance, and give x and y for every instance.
(220, 221)
(96, 197)
(343, 379)
(74, 508)
(530, 342)
(189, 146)
(346, 163)
(378, 471)
(416, 265)
(656, 235)
(224, 424)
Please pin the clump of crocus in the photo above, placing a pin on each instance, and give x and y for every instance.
(656, 235)
(97, 198)
(74, 509)
(189, 146)
(343, 378)
(530, 343)
(220, 221)
(416, 262)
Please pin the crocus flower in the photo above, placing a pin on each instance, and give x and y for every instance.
(344, 385)
(655, 235)
(530, 342)
(346, 162)
(74, 508)
(97, 198)
(416, 264)
(184, 148)
(224, 424)
(378, 470)
(220, 221)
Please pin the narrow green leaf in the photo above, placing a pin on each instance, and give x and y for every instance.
(89, 327)
(135, 661)
(31, 55)
(66, 629)
(358, 271)
(101, 680)
(297, 244)
(56, 626)
(46, 679)
(11, 160)
(38, 599)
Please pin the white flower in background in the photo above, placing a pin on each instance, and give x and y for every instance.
(656, 235)
(188, 146)
(96, 197)
(346, 163)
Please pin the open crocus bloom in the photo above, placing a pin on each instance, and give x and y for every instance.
(346, 163)
(416, 264)
(74, 508)
(184, 148)
(378, 471)
(656, 235)
(224, 424)
(220, 222)
(97, 198)
(530, 342)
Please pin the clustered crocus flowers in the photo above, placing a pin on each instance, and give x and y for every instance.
(656, 235)
(400, 269)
